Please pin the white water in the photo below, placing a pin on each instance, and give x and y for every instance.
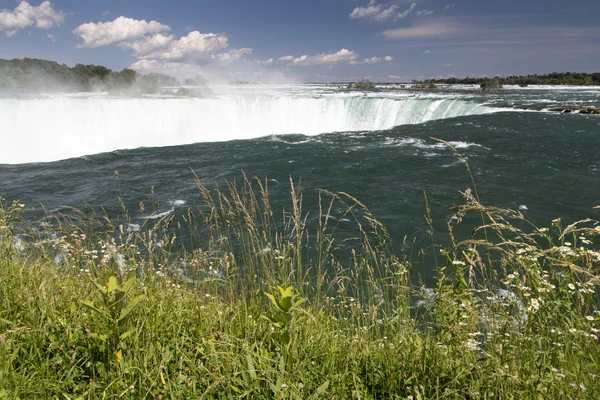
(50, 129)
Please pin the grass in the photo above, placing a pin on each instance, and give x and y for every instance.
(267, 305)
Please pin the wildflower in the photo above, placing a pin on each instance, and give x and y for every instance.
(572, 330)
(571, 286)
(471, 345)
(534, 306)
(543, 230)
(458, 262)
(589, 318)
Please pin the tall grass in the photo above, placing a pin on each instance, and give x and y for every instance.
(265, 304)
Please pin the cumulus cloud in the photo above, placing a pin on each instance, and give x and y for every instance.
(270, 61)
(120, 30)
(420, 31)
(372, 60)
(231, 55)
(449, 6)
(156, 65)
(381, 12)
(285, 58)
(43, 16)
(148, 44)
(193, 46)
(344, 55)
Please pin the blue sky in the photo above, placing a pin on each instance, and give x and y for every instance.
(309, 40)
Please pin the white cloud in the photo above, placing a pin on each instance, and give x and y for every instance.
(344, 55)
(405, 13)
(378, 12)
(120, 30)
(270, 61)
(449, 6)
(285, 58)
(231, 55)
(194, 45)
(420, 31)
(372, 60)
(43, 16)
(148, 44)
(155, 65)
(396, 77)
(51, 37)
(426, 52)
(425, 13)
(381, 12)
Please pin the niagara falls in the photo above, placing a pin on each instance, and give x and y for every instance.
(366, 199)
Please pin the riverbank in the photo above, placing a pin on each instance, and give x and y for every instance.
(258, 306)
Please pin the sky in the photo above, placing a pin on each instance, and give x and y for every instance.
(309, 40)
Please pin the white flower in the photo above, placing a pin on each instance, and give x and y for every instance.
(571, 286)
(471, 345)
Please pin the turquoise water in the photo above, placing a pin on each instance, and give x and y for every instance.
(375, 146)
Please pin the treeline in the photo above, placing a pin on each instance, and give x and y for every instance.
(554, 78)
(30, 74)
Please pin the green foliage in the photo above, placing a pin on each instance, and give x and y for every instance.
(363, 84)
(285, 305)
(41, 75)
(554, 78)
(513, 313)
(491, 84)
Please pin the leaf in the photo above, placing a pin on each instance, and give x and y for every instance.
(272, 321)
(112, 284)
(251, 369)
(127, 334)
(101, 337)
(274, 301)
(128, 284)
(130, 306)
(287, 292)
(91, 305)
(299, 302)
(286, 304)
(118, 356)
(321, 389)
(100, 288)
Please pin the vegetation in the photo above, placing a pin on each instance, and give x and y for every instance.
(555, 78)
(363, 84)
(41, 75)
(256, 307)
(423, 86)
(491, 84)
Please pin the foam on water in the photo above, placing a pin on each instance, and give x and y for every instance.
(60, 127)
